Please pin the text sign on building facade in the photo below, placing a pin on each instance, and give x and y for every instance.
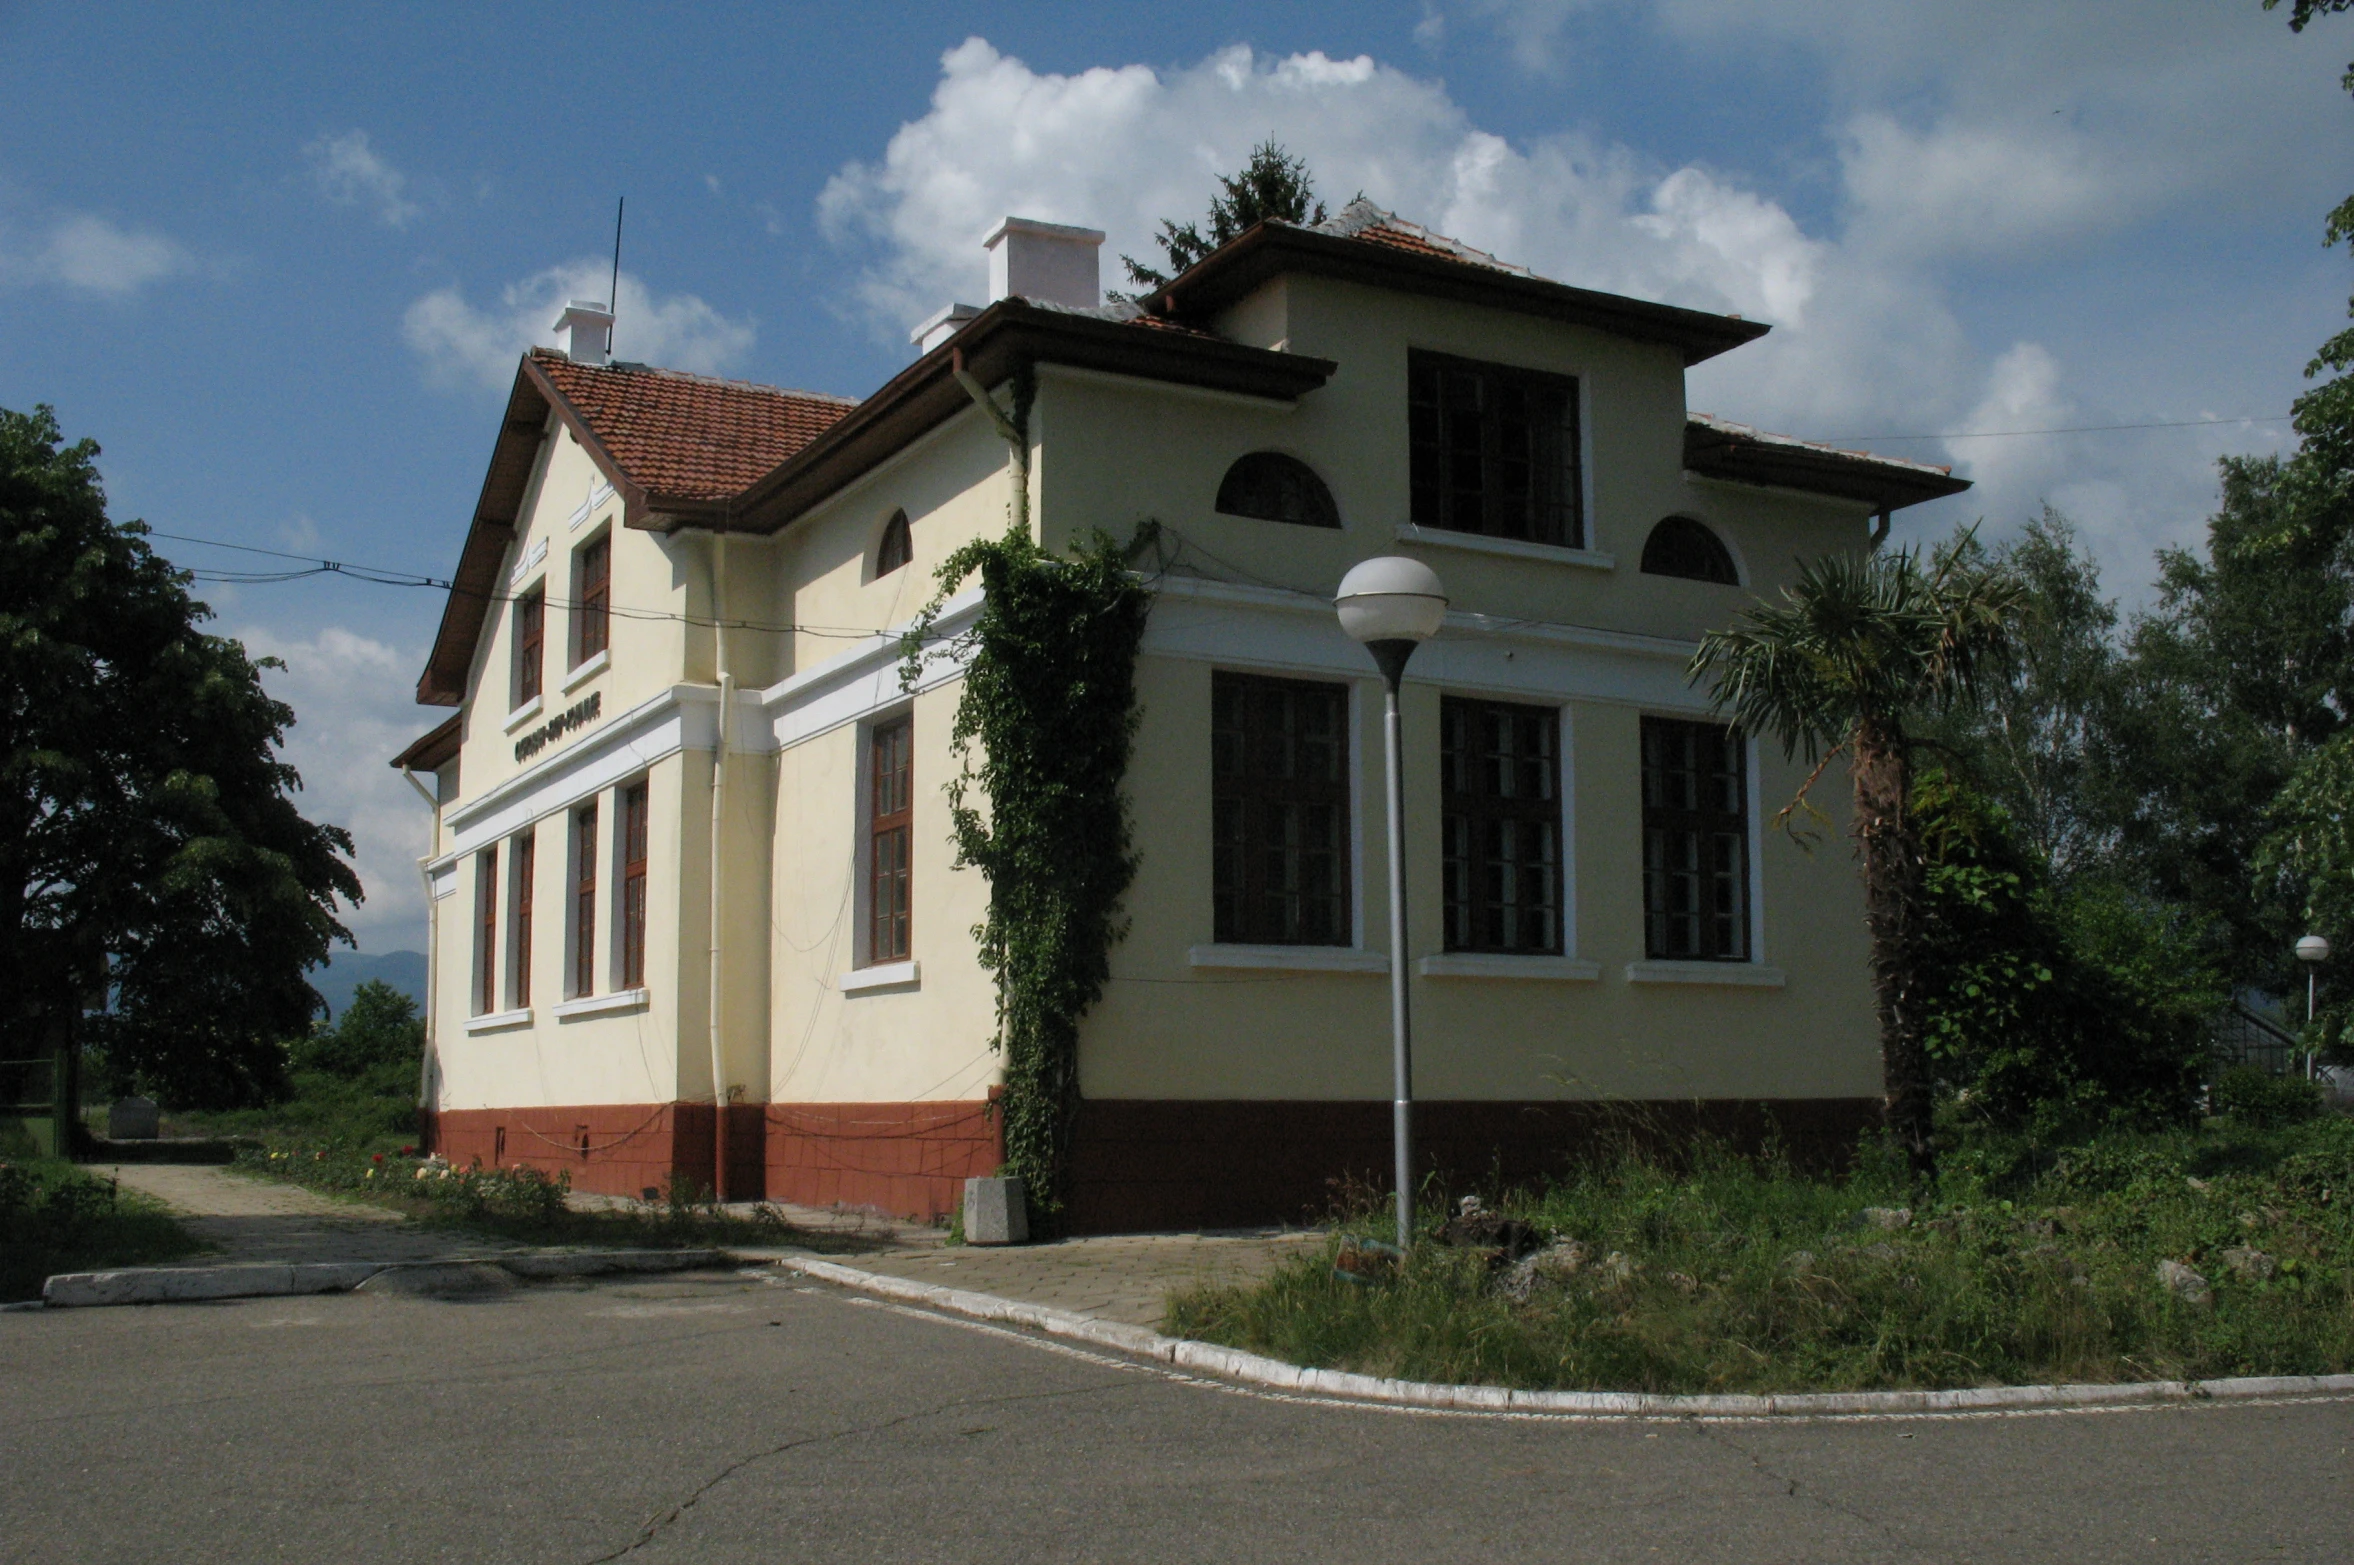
(579, 714)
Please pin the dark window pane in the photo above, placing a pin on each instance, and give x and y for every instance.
(1276, 488)
(897, 546)
(1279, 811)
(1695, 842)
(1680, 546)
(1493, 450)
(1500, 781)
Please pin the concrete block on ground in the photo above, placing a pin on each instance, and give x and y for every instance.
(442, 1280)
(996, 1211)
(167, 1285)
(134, 1119)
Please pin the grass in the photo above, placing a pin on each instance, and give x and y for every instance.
(55, 1217)
(521, 1204)
(1720, 1274)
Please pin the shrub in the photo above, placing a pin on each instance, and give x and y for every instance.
(2263, 1101)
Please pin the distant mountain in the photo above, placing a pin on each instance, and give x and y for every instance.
(347, 970)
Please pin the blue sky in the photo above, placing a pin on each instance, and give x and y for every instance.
(279, 263)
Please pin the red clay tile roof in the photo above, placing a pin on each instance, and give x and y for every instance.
(689, 437)
(1361, 220)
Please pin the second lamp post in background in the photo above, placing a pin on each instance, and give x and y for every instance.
(1394, 605)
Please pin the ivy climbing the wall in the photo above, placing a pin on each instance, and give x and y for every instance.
(1043, 732)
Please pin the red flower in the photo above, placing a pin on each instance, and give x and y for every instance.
(379, 1157)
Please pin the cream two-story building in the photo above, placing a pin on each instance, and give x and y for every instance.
(696, 912)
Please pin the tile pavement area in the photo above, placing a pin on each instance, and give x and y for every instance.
(1123, 1277)
(247, 1219)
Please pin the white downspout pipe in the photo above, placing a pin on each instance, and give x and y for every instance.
(432, 940)
(719, 747)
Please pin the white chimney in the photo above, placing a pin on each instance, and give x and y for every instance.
(941, 326)
(585, 332)
(1050, 263)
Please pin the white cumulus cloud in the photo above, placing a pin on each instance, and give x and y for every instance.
(463, 343)
(349, 172)
(354, 712)
(86, 253)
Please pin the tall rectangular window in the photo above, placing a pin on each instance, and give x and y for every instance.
(486, 931)
(633, 886)
(890, 838)
(1695, 842)
(593, 604)
(531, 623)
(525, 869)
(1494, 450)
(1279, 795)
(1500, 785)
(584, 899)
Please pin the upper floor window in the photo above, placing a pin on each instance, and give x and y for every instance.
(1695, 842)
(1500, 787)
(896, 547)
(1680, 546)
(1276, 488)
(635, 834)
(1279, 802)
(1494, 450)
(890, 816)
(531, 623)
(592, 599)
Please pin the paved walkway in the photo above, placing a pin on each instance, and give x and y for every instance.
(1125, 1277)
(263, 1220)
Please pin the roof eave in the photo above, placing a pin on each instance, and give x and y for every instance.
(432, 750)
(994, 344)
(1268, 250)
(1884, 485)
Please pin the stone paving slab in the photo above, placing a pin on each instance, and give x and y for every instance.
(1124, 1278)
(249, 1220)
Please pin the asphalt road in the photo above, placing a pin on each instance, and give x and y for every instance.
(721, 1418)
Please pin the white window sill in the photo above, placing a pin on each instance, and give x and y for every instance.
(601, 1004)
(1291, 959)
(499, 1021)
(1725, 975)
(1499, 964)
(1512, 548)
(885, 975)
(523, 714)
(588, 671)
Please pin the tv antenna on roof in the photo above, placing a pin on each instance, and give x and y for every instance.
(613, 294)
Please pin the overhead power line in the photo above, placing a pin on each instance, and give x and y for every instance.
(2074, 429)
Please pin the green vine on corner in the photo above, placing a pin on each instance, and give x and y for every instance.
(1043, 731)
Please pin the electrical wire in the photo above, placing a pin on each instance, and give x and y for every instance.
(2075, 429)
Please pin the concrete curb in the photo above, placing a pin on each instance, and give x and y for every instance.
(191, 1284)
(1254, 1369)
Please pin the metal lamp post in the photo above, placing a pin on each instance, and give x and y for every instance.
(1394, 605)
(2313, 950)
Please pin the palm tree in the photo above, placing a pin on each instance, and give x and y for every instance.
(1858, 648)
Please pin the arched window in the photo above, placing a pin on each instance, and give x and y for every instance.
(1276, 488)
(896, 548)
(1683, 547)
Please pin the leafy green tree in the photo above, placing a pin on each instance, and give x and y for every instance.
(150, 851)
(1272, 185)
(379, 1028)
(2307, 862)
(1859, 654)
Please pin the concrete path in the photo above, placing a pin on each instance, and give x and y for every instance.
(1126, 1278)
(248, 1219)
(719, 1417)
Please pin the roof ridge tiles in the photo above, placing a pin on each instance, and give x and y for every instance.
(556, 356)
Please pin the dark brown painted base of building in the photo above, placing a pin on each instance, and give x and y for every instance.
(1137, 1165)
(621, 1149)
(1174, 1164)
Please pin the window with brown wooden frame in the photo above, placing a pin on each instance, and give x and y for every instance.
(525, 870)
(531, 621)
(896, 547)
(1500, 815)
(1695, 842)
(1494, 450)
(486, 933)
(584, 900)
(634, 833)
(1279, 799)
(890, 813)
(592, 612)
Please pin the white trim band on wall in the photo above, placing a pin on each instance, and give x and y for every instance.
(1726, 975)
(499, 1021)
(1501, 964)
(1293, 959)
(884, 975)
